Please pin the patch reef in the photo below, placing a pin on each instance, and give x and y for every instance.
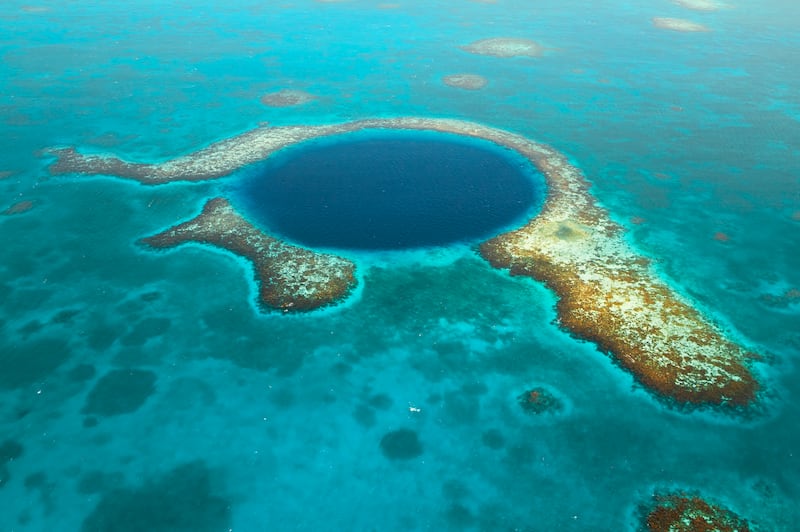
(681, 512)
(679, 24)
(608, 293)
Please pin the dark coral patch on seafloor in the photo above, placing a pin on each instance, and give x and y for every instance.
(28, 362)
(10, 450)
(401, 444)
(538, 401)
(120, 392)
(493, 439)
(680, 512)
(182, 500)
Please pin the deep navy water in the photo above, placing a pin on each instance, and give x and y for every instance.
(400, 191)
(145, 390)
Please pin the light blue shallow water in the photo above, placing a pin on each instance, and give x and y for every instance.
(139, 390)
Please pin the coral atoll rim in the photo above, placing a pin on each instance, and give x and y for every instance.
(608, 293)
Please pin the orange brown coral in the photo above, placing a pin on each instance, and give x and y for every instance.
(608, 293)
(289, 277)
(679, 512)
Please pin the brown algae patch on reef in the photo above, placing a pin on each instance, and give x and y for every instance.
(679, 24)
(505, 47)
(287, 98)
(608, 293)
(680, 512)
(19, 207)
(289, 277)
(470, 82)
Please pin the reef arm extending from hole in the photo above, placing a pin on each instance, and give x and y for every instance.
(612, 296)
(290, 278)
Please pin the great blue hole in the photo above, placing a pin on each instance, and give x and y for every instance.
(386, 190)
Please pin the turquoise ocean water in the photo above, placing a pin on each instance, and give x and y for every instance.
(145, 391)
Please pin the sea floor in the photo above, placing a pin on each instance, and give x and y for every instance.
(144, 390)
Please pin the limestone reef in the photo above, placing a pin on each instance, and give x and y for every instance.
(679, 24)
(608, 293)
(505, 47)
(470, 82)
(700, 5)
(681, 512)
(612, 296)
(287, 98)
(289, 277)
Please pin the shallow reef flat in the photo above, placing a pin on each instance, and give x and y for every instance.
(471, 82)
(289, 277)
(700, 5)
(608, 293)
(287, 98)
(679, 24)
(505, 47)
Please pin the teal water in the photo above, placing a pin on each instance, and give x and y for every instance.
(144, 391)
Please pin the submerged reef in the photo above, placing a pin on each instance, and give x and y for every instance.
(401, 444)
(505, 47)
(287, 98)
(471, 82)
(700, 5)
(679, 24)
(10, 450)
(608, 293)
(289, 277)
(680, 512)
(19, 207)
(539, 401)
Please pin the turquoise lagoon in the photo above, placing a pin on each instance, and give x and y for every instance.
(146, 391)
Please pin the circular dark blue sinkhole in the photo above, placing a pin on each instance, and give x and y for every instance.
(392, 190)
